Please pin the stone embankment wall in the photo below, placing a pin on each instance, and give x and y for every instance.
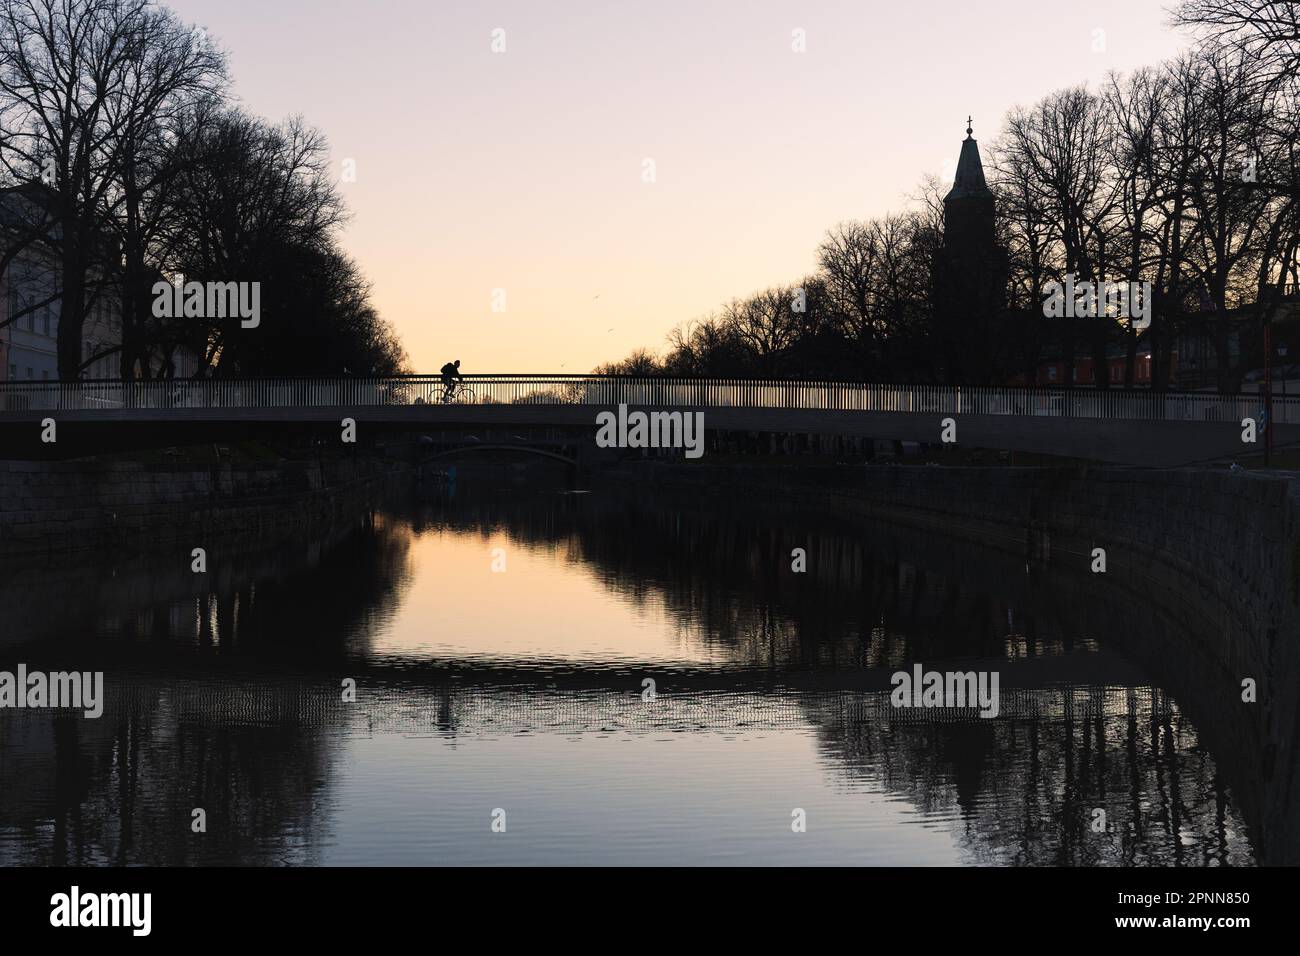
(1207, 561)
(57, 506)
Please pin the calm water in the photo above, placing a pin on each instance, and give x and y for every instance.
(500, 644)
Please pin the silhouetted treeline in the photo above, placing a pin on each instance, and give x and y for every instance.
(1183, 175)
(123, 164)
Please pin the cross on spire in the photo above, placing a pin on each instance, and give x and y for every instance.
(968, 126)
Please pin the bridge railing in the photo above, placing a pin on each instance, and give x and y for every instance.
(607, 391)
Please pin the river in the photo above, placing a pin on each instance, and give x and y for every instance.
(514, 675)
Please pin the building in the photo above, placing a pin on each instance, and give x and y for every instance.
(1244, 342)
(970, 273)
(1196, 343)
(30, 351)
(970, 249)
(29, 289)
(30, 342)
(1194, 358)
(1051, 369)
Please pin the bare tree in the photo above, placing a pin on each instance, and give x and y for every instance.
(1266, 31)
(766, 322)
(252, 202)
(1059, 150)
(171, 86)
(877, 277)
(1135, 105)
(81, 84)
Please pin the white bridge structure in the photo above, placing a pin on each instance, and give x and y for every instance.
(1131, 426)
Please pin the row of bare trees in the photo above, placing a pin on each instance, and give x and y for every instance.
(123, 163)
(1185, 175)
(866, 309)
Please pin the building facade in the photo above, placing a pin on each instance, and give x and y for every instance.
(30, 310)
(30, 342)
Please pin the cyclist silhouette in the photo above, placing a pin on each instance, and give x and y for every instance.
(450, 375)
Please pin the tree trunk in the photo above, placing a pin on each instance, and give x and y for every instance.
(72, 305)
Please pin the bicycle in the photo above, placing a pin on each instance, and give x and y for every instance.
(460, 394)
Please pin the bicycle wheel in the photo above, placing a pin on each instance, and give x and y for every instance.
(465, 395)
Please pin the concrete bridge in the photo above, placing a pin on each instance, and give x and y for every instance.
(1126, 426)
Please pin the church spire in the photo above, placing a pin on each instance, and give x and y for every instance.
(969, 181)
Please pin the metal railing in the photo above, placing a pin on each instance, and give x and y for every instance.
(607, 391)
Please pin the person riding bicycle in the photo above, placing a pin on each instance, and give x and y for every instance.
(450, 375)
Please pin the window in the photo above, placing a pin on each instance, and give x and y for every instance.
(45, 319)
(45, 375)
(1051, 373)
(30, 376)
(13, 372)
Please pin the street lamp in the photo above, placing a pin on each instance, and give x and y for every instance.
(1281, 353)
(1266, 414)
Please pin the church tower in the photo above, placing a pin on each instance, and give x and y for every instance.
(968, 207)
(970, 274)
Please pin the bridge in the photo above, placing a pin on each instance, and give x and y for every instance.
(1127, 426)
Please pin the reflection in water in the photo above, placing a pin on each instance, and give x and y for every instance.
(500, 648)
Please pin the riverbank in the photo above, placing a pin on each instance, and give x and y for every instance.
(1212, 558)
(1227, 542)
(51, 507)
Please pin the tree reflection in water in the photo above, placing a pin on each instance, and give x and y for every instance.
(224, 691)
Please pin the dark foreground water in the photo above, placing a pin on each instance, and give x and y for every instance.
(606, 679)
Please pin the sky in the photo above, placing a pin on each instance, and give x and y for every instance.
(622, 167)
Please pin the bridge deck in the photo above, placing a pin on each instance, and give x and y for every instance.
(1115, 425)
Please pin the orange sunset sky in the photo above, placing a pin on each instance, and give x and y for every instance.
(523, 170)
